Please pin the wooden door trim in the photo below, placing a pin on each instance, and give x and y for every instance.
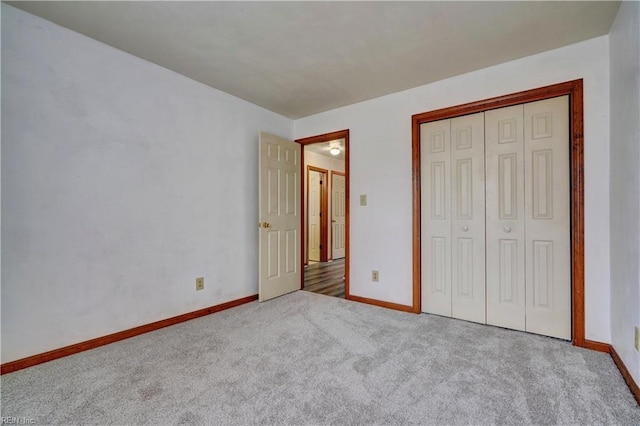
(574, 89)
(327, 137)
(335, 172)
(324, 210)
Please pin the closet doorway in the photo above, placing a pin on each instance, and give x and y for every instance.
(325, 216)
(496, 234)
(506, 177)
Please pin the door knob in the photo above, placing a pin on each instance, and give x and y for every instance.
(264, 225)
(507, 229)
(333, 220)
(465, 228)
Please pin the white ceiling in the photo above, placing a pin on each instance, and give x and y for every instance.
(301, 58)
(323, 148)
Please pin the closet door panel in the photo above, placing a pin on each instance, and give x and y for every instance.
(505, 224)
(547, 209)
(435, 153)
(468, 218)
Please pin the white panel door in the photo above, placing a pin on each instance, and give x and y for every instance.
(505, 217)
(279, 210)
(313, 216)
(435, 152)
(338, 215)
(468, 218)
(547, 209)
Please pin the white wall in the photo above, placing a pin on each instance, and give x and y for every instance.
(380, 166)
(625, 183)
(121, 183)
(327, 163)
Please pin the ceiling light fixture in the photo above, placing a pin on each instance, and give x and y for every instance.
(334, 151)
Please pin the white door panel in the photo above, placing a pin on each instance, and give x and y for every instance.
(505, 217)
(314, 215)
(338, 215)
(547, 207)
(435, 159)
(279, 210)
(468, 218)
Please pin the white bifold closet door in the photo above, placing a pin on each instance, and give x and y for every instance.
(528, 217)
(454, 250)
(496, 205)
(467, 218)
(435, 153)
(504, 144)
(548, 217)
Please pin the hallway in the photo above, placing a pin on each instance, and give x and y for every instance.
(325, 278)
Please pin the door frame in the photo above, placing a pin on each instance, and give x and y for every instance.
(323, 212)
(574, 89)
(332, 173)
(327, 137)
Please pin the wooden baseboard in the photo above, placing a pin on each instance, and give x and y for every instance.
(607, 348)
(633, 386)
(597, 346)
(388, 305)
(19, 364)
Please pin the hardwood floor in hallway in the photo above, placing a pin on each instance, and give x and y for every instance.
(325, 278)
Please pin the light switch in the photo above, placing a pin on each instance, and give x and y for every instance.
(363, 200)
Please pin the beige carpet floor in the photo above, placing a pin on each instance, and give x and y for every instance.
(305, 358)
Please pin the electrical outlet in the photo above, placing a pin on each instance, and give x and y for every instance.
(637, 338)
(375, 276)
(200, 283)
(363, 200)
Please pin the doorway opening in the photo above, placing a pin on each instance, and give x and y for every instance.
(325, 214)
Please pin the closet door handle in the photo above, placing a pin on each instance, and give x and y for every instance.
(507, 229)
(465, 228)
